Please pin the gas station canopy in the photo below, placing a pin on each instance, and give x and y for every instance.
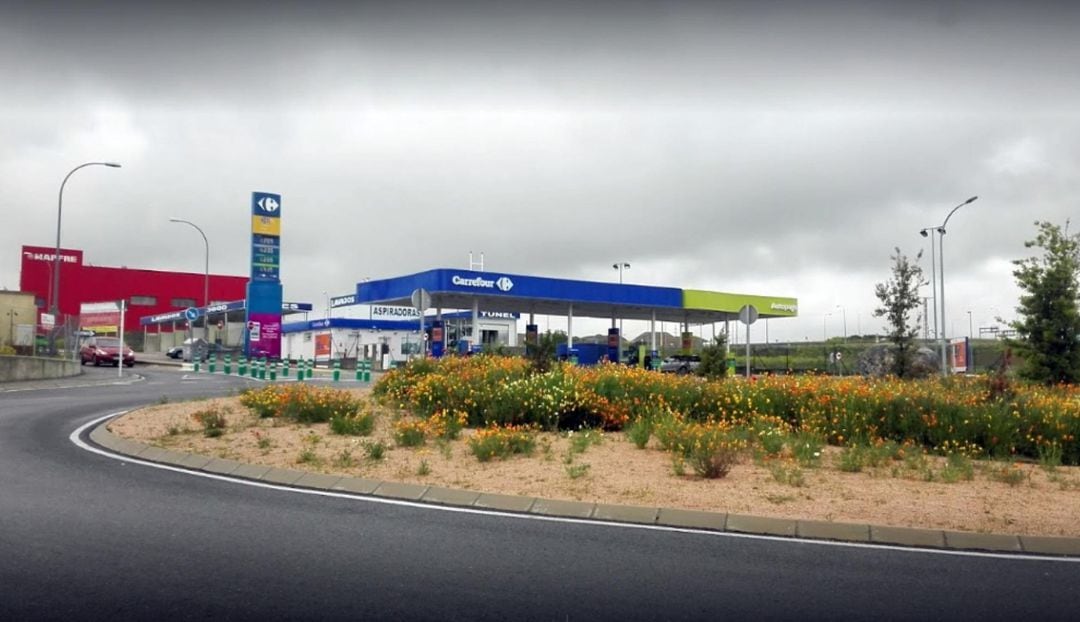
(501, 292)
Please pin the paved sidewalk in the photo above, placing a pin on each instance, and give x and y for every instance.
(687, 519)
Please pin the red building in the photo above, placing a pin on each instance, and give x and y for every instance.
(146, 292)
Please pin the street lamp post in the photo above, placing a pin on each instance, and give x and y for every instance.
(941, 271)
(843, 311)
(620, 266)
(54, 295)
(206, 272)
(933, 276)
(825, 339)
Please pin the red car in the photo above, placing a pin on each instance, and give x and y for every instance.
(105, 350)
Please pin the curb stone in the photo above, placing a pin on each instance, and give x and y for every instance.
(671, 517)
(761, 525)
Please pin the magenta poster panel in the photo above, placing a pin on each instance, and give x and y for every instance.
(264, 330)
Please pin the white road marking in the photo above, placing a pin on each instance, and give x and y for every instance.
(74, 437)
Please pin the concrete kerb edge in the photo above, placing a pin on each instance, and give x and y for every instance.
(671, 517)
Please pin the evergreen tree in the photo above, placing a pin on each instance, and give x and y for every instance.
(714, 358)
(899, 298)
(1049, 322)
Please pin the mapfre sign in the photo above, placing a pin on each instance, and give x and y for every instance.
(41, 253)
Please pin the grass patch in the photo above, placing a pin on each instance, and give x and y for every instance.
(577, 471)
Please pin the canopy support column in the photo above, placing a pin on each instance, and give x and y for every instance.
(570, 328)
(475, 323)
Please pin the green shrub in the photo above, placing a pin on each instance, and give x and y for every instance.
(501, 442)
(639, 432)
(806, 448)
(212, 421)
(852, 459)
(408, 433)
(957, 467)
(357, 425)
(375, 450)
(582, 440)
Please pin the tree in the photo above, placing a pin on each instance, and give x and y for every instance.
(900, 302)
(1049, 323)
(714, 358)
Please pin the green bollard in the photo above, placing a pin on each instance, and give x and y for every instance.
(359, 370)
(196, 366)
(337, 370)
(254, 368)
(310, 368)
(273, 371)
(228, 364)
(300, 370)
(213, 363)
(285, 369)
(241, 366)
(367, 371)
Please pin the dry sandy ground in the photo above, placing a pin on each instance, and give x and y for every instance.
(1042, 503)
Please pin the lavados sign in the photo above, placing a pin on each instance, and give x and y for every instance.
(503, 283)
(779, 306)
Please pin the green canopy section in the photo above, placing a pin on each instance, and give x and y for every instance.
(767, 306)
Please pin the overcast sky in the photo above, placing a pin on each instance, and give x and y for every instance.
(754, 147)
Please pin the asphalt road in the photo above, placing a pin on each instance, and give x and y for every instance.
(83, 536)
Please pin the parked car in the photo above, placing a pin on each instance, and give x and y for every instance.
(175, 352)
(680, 364)
(106, 350)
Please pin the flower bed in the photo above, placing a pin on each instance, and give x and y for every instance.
(956, 415)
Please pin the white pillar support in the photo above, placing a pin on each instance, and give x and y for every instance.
(475, 323)
(570, 329)
(652, 332)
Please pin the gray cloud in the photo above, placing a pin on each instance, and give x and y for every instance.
(768, 147)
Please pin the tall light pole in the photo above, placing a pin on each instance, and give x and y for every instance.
(55, 294)
(843, 311)
(933, 276)
(620, 266)
(941, 270)
(206, 273)
(825, 339)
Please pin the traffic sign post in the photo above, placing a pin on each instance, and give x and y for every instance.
(748, 314)
(421, 300)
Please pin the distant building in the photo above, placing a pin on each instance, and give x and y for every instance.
(146, 292)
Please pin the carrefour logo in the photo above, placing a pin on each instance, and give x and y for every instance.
(503, 283)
